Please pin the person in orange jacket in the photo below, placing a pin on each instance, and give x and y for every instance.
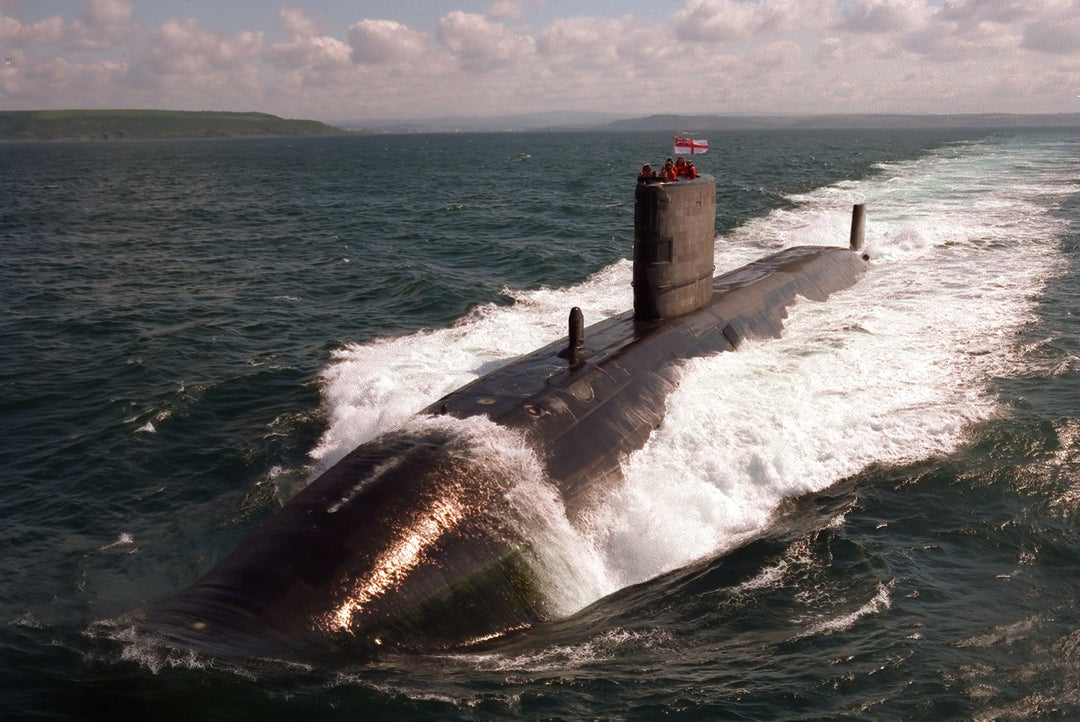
(668, 171)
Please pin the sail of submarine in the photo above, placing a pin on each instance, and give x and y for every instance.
(405, 543)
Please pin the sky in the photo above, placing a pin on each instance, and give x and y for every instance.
(374, 60)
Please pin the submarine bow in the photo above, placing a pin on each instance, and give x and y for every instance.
(411, 542)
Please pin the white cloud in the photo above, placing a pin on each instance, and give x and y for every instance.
(970, 12)
(481, 45)
(313, 52)
(107, 12)
(1048, 26)
(777, 54)
(306, 48)
(183, 53)
(296, 23)
(591, 44)
(105, 24)
(16, 33)
(1055, 29)
(510, 9)
(81, 85)
(713, 21)
(885, 16)
(1058, 37)
(385, 41)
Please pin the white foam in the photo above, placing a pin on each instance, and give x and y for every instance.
(880, 602)
(158, 655)
(374, 387)
(124, 540)
(606, 646)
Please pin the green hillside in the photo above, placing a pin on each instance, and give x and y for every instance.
(123, 124)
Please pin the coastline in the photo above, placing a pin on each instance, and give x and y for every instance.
(111, 125)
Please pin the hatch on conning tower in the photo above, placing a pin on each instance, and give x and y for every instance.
(674, 232)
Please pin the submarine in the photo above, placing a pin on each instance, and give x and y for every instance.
(413, 541)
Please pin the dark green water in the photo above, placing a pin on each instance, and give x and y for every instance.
(873, 517)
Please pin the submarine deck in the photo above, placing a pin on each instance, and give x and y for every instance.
(632, 364)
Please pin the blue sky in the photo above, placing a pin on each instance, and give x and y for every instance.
(355, 60)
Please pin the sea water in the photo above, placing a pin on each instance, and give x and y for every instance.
(872, 516)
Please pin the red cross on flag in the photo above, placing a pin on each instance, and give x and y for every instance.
(685, 145)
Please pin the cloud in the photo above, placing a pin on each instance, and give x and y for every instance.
(511, 9)
(182, 52)
(16, 33)
(81, 85)
(713, 21)
(962, 29)
(884, 16)
(1055, 29)
(107, 13)
(1049, 26)
(104, 24)
(306, 48)
(972, 12)
(313, 52)
(378, 42)
(589, 43)
(1057, 37)
(777, 54)
(480, 45)
(296, 23)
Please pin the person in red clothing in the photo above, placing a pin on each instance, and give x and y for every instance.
(691, 171)
(668, 171)
(680, 168)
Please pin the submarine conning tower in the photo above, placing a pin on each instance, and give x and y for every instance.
(674, 234)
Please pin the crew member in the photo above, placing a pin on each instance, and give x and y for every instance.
(668, 171)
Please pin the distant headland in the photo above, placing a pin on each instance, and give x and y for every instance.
(140, 124)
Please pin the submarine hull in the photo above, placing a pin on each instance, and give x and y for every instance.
(406, 542)
(409, 542)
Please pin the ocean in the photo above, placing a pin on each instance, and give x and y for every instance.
(874, 516)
